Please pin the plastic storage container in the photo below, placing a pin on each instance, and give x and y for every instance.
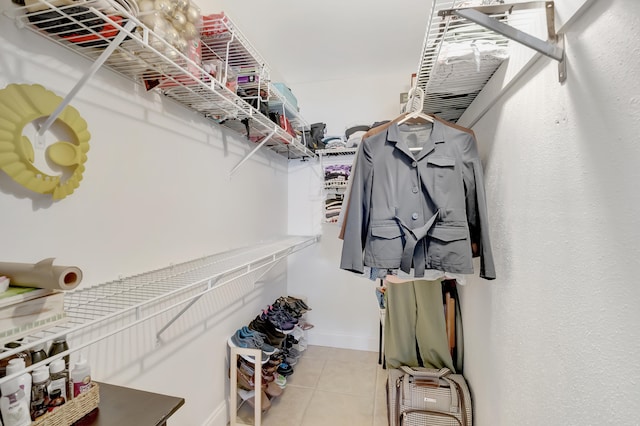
(16, 395)
(14, 404)
(81, 377)
(24, 380)
(59, 381)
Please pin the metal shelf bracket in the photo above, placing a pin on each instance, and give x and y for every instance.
(262, 142)
(90, 72)
(553, 48)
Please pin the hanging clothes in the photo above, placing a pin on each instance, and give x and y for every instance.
(415, 330)
(417, 200)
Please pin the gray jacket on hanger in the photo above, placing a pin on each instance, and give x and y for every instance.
(424, 209)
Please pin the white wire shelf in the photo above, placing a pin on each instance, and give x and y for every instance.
(336, 151)
(451, 86)
(88, 28)
(341, 184)
(465, 43)
(115, 306)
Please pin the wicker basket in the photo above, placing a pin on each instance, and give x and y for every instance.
(73, 410)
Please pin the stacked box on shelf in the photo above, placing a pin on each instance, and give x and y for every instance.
(26, 310)
(290, 104)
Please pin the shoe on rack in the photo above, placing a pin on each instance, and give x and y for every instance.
(273, 389)
(306, 326)
(293, 352)
(286, 316)
(249, 396)
(291, 339)
(291, 360)
(240, 342)
(291, 308)
(245, 381)
(259, 339)
(298, 302)
(301, 346)
(285, 369)
(273, 336)
(279, 321)
(280, 380)
(247, 367)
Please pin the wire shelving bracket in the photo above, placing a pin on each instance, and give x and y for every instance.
(553, 47)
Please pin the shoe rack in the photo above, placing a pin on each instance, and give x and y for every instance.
(256, 354)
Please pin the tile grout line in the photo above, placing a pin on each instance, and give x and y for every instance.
(315, 389)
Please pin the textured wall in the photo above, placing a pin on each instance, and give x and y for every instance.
(555, 339)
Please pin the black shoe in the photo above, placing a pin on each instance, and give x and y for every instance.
(273, 336)
(285, 369)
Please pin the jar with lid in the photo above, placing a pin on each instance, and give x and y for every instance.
(60, 345)
(22, 354)
(38, 353)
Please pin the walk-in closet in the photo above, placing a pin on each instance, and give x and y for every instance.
(290, 213)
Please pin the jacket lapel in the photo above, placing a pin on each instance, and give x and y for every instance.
(437, 136)
(393, 136)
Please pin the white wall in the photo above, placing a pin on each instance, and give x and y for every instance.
(554, 340)
(345, 310)
(365, 97)
(156, 191)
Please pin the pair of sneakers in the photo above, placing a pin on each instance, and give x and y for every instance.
(295, 307)
(251, 339)
(272, 335)
(280, 318)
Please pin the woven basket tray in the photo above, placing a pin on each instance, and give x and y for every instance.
(72, 411)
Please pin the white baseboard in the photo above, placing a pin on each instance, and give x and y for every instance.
(219, 416)
(360, 343)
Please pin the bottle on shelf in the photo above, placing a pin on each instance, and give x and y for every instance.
(40, 392)
(55, 399)
(24, 380)
(59, 377)
(81, 377)
(14, 404)
(38, 353)
(22, 354)
(60, 345)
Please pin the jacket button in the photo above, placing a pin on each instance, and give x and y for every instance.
(414, 216)
(414, 164)
(414, 189)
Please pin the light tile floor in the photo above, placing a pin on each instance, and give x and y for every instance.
(329, 387)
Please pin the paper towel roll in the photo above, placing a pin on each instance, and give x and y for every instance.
(42, 275)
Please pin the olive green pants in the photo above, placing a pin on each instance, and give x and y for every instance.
(415, 330)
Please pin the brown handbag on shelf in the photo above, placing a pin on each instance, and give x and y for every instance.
(418, 396)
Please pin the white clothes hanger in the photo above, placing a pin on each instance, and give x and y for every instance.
(415, 114)
(415, 103)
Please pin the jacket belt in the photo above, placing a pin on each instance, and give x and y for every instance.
(412, 236)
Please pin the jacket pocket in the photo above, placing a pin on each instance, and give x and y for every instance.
(449, 248)
(385, 244)
(441, 161)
